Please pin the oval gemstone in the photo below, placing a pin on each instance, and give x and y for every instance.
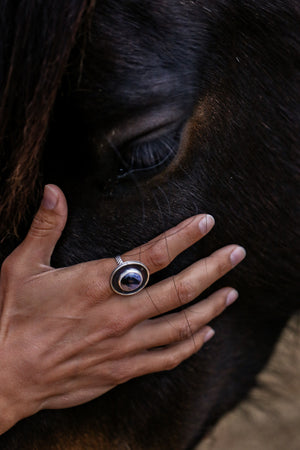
(131, 280)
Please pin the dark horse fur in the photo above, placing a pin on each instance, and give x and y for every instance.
(146, 112)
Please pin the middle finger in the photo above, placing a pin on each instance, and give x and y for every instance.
(186, 286)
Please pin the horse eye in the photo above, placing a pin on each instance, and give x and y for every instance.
(144, 157)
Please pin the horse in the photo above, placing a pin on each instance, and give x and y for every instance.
(146, 113)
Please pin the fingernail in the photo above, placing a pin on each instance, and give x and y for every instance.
(206, 223)
(50, 198)
(231, 297)
(209, 335)
(237, 255)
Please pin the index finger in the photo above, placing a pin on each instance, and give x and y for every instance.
(160, 251)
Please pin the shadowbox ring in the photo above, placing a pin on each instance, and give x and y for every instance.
(129, 277)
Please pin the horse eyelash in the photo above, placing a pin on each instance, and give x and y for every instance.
(144, 156)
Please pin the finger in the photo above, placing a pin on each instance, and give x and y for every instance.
(186, 286)
(180, 326)
(160, 251)
(162, 359)
(157, 254)
(45, 230)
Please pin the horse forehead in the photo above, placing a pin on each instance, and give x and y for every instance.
(145, 8)
(153, 26)
(140, 53)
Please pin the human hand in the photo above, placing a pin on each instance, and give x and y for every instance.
(67, 338)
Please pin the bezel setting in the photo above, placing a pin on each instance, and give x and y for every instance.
(129, 269)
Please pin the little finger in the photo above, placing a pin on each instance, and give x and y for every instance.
(164, 358)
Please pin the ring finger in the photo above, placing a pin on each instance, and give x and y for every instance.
(180, 326)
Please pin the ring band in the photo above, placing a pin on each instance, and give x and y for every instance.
(129, 277)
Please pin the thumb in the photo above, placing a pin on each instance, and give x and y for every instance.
(46, 228)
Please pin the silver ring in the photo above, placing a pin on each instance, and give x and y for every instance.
(129, 277)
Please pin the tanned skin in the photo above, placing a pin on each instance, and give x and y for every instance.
(165, 110)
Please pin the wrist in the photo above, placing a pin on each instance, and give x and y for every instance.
(12, 410)
(9, 413)
(13, 405)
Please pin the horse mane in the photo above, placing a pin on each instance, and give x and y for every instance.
(36, 39)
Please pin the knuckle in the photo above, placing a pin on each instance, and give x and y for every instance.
(8, 267)
(190, 233)
(120, 372)
(172, 361)
(125, 347)
(114, 374)
(185, 290)
(158, 256)
(126, 373)
(96, 290)
(10, 274)
(184, 331)
(217, 309)
(217, 306)
(221, 267)
(110, 372)
(117, 327)
(42, 224)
